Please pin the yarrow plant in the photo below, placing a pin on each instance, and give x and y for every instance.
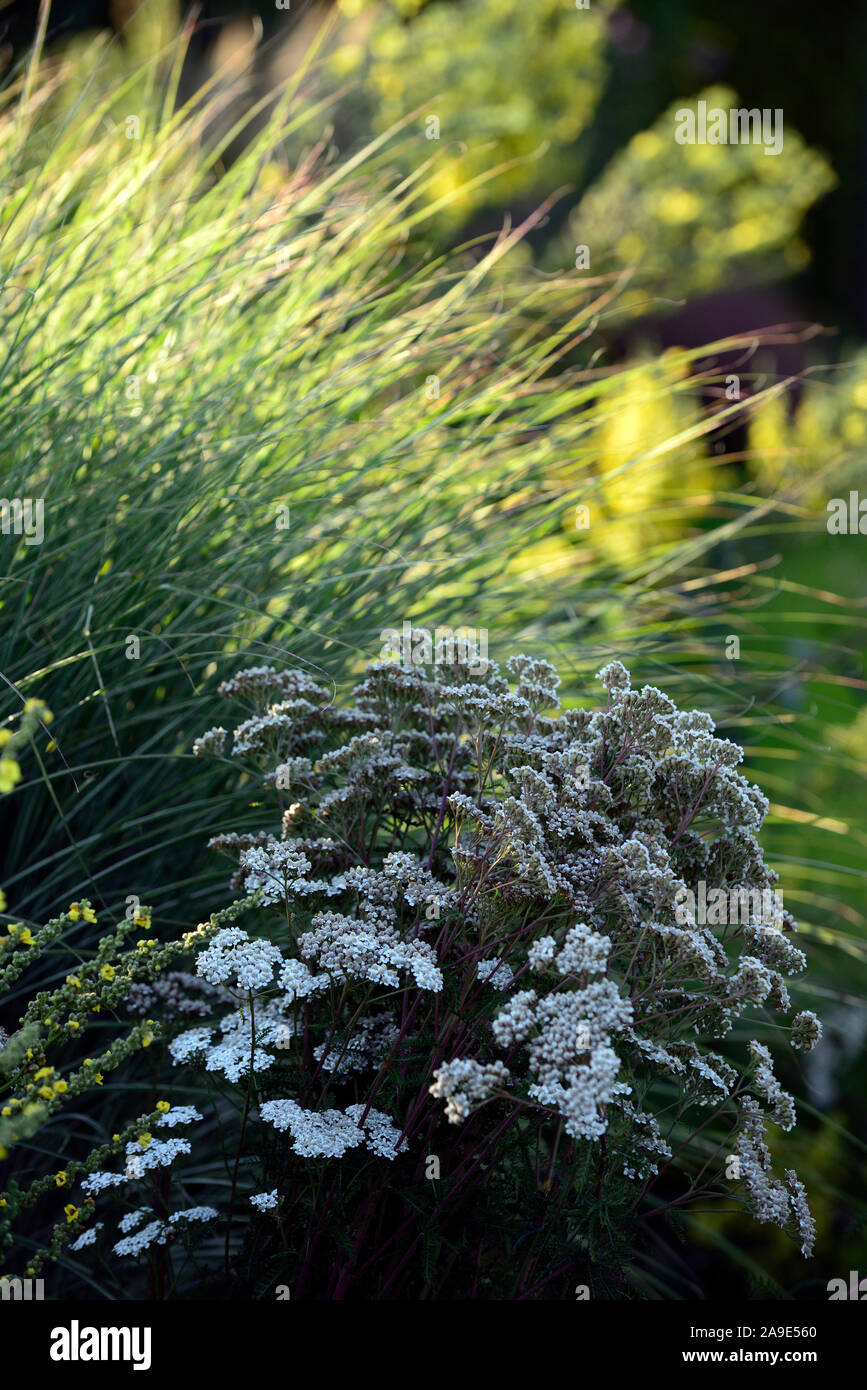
(468, 1040)
(472, 1029)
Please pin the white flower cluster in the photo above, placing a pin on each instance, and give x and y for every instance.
(211, 744)
(229, 1053)
(330, 1133)
(571, 1062)
(194, 1214)
(260, 685)
(767, 1085)
(806, 1031)
(272, 731)
(369, 947)
(154, 1233)
(277, 871)
(233, 958)
(179, 1115)
(159, 1153)
(87, 1237)
(132, 1219)
(264, 1201)
(771, 1199)
(584, 952)
(161, 1232)
(463, 1085)
(299, 981)
(100, 1180)
(805, 1223)
(645, 1143)
(496, 974)
(556, 847)
(371, 1039)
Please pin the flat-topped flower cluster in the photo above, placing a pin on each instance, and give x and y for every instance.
(473, 936)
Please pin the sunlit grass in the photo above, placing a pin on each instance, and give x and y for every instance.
(268, 422)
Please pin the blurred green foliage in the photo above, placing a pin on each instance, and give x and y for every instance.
(692, 215)
(515, 90)
(794, 442)
(509, 83)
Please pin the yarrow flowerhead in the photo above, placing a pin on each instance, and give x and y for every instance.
(482, 918)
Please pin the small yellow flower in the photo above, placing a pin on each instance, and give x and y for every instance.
(142, 918)
(163, 1106)
(145, 1140)
(107, 972)
(71, 1212)
(60, 1178)
(26, 936)
(10, 774)
(60, 1087)
(74, 981)
(7, 1110)
(46, 1092)
(115, 1138)
(98, 1078)
(147, 1039)
(43, 1071)
(74, 912)
(88, 914)
(74, 1027)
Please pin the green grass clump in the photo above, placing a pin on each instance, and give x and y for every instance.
(261, 420)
